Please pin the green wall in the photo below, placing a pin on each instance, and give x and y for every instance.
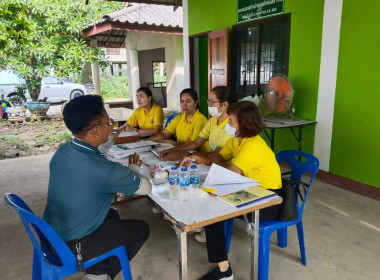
(304, 57)
(355, 149)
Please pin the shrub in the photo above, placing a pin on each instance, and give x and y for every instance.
(114, 87)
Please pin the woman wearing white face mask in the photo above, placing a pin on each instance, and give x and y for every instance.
(245, 153)
(218, 101)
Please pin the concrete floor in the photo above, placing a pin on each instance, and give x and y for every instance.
(342, 234)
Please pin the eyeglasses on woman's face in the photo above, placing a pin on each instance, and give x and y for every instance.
(212, 102)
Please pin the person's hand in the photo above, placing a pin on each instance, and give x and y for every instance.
(129, 128)
(135, 159)
(189, 160)
(171, 155)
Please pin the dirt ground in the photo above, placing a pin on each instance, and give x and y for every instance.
(32, 138)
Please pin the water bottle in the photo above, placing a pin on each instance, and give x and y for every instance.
(184, 184)
(194, 177)
(173, 183)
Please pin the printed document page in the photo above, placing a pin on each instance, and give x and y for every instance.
(139, 144)
(225, 181)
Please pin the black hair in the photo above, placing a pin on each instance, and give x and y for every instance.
(147, 91)
(193, 94)
(223, 94)
(248, 117)
(81, 111)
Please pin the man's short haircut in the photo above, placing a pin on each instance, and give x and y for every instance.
(81, 111)
(248, 117)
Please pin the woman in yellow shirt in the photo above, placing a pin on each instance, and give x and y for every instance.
(245, 153)
(148, 118)
(218, 101)
(185, 126)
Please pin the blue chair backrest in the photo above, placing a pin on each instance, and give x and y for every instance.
(46, 236)
(170, 118)
(300, 163)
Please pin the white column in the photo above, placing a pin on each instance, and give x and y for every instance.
(133, 66)
(186, 55)
(95, 70)
(327, 81)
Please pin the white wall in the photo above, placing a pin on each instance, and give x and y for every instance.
(173, 44)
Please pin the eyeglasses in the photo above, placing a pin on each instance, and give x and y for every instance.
(210, 101)
(111, 122)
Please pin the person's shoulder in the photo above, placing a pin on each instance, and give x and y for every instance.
(157, 107)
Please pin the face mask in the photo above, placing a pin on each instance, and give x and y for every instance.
(230, 130)
(214, 111)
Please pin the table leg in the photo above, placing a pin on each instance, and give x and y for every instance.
(300, 138)
(182, 252)
(255, 249)
(272, 139)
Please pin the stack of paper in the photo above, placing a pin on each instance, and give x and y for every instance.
(119, 153)
(225, 181)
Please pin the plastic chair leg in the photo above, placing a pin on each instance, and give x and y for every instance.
(301, 242)
(125, 268)
(282, 237)
(36, 274)
(228, 225)
(264, 255)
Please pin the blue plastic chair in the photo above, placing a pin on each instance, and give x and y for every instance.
(47, 265)
(170, 118)
(300, 163)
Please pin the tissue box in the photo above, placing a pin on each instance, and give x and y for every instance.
(157, 171)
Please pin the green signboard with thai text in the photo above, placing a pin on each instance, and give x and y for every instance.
(251, 9)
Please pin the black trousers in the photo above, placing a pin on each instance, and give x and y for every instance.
(216, 241)
(112, 233)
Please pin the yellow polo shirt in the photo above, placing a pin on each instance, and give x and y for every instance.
(147, 121)
(255, 159)
(188, 131)
(215, 133)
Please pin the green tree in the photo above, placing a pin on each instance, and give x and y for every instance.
(49, 38)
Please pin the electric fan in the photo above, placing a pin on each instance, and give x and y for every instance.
(279, 95)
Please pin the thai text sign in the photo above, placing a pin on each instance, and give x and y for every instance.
(251, 9)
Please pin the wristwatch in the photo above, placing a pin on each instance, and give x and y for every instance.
(190, 153)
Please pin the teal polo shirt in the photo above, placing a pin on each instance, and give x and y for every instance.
(82, 186)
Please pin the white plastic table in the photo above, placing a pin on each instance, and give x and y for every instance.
(200, 212)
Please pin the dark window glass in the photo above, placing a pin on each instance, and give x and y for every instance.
(260, 50)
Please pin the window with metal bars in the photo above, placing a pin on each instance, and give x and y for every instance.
(260, 50)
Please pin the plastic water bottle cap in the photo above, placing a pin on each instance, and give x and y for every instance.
(183, 169)
(193, 166)
(174, 168)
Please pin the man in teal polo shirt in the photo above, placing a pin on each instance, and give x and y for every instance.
(82, 185)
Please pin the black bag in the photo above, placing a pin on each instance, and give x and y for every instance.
(288, 211)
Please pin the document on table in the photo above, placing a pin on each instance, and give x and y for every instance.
(161, 147)
(225, 181)
(119, 153)
(139, 144)
(126, 134)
